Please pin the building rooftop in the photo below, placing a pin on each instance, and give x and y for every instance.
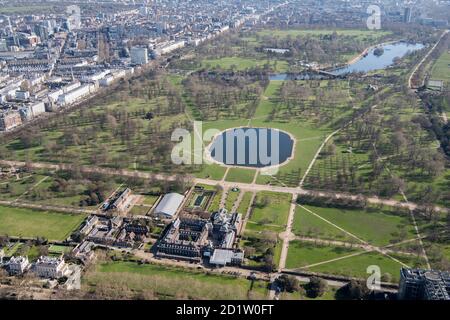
(169, 204)
(223, 257)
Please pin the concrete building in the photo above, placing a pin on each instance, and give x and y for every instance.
(74, 95)
(194, 239)
(18, 265)
(417, 284)
(184, 239)
(222, 258)
(9, 120)
(407, 15)
(122, 201)
(437, 85)
(50, 267)
(22, 95)
(169, 205)
(28, 112)
(139, 55)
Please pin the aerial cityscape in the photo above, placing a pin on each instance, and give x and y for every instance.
(225, 150)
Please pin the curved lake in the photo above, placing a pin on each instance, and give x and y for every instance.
(370, 62)
(373, 62)
(252, 147)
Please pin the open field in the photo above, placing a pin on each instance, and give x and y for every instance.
(303, 254)
(239, 63)
(441, 69)
(240, 175)
(357, 266)
(164, 283)
(30, 223)
(307, 225)
(375, 226)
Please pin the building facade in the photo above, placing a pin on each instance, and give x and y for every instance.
(9, 120)
(18, 265)
(417, 284)
(50, 267)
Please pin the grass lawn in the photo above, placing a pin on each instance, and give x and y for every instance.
(441, 69)
(231, 199)
(240, 63)
(164, 282)
(272, 216)
(215, 203)
(212, 171)
(20, 222)
(149, 200)
(307, 225)
(302, 254)
(376, 227)
(139, 210)
(57, 249)
(245, 203)
(240, 175)
(357, 266)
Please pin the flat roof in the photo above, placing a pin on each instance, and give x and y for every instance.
(169, 204)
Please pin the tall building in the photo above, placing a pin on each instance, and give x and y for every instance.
(417, 284)
(407, 15)
(139, 55)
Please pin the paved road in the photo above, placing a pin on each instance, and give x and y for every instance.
(423, 60)
(45, 207)
(225, 184)
(287, 235)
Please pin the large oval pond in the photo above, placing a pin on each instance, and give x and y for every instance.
(252, 147)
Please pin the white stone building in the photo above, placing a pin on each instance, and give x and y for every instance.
(18, 265)
(50, 267)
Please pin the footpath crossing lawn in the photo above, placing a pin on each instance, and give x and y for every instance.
(308, 225)
(20, 222)
(377, 227)
(302, 254)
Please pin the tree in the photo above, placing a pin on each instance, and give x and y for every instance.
(288, 283)
(316, 287)
(355, 290)
(386, 277)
